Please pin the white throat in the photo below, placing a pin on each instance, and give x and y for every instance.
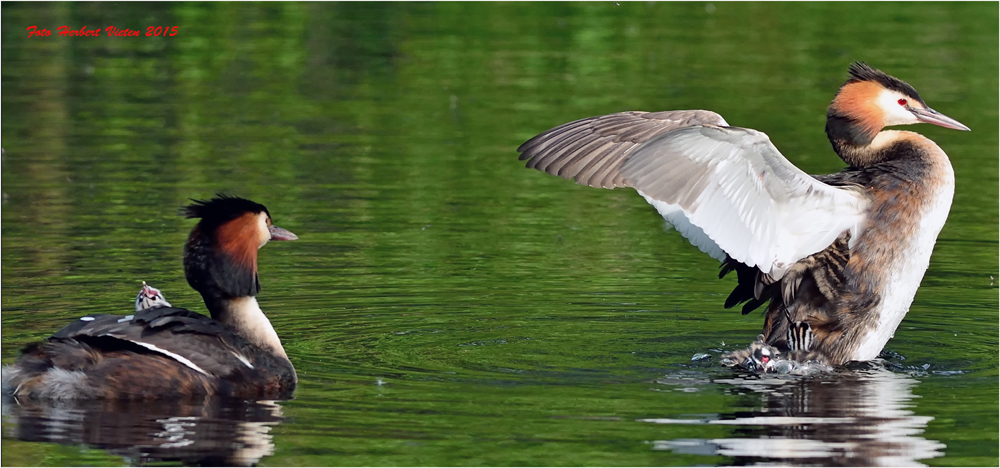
(245, 315)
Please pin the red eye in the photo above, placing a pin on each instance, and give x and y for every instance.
(902, 102)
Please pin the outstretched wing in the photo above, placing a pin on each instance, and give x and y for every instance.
(726, 189)
(590, 151)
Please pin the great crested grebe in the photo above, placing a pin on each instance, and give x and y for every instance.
(838, 256)
(167, 352)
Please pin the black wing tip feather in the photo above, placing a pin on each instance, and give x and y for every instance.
(744, 290)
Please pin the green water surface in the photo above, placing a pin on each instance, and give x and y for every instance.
(444, 305)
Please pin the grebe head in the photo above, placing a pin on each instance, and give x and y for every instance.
(149, 297)
(220, 257)
(871, 100)
(762, 356)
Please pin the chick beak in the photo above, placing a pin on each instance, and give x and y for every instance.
(148, 291)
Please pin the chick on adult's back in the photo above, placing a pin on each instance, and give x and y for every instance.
(167, 352)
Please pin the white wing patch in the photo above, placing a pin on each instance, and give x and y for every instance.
(676, 217)
(177, 357)
(243, 359)
(729, 191)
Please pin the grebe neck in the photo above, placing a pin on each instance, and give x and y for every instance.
(883, 146)
(245, 315)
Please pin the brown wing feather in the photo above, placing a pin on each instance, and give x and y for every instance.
(158, 352)
(590, 151)
(90, 372)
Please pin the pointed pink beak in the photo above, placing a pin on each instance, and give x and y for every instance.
(934, 117)
(279, 234)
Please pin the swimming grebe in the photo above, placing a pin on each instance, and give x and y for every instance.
(838, 256)
(167, 352)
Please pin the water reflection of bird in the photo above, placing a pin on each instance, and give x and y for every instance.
(864, 417)
(172, 352)
(208, 432)
(839, 256)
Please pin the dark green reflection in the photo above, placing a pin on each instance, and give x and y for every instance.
(515, 318)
